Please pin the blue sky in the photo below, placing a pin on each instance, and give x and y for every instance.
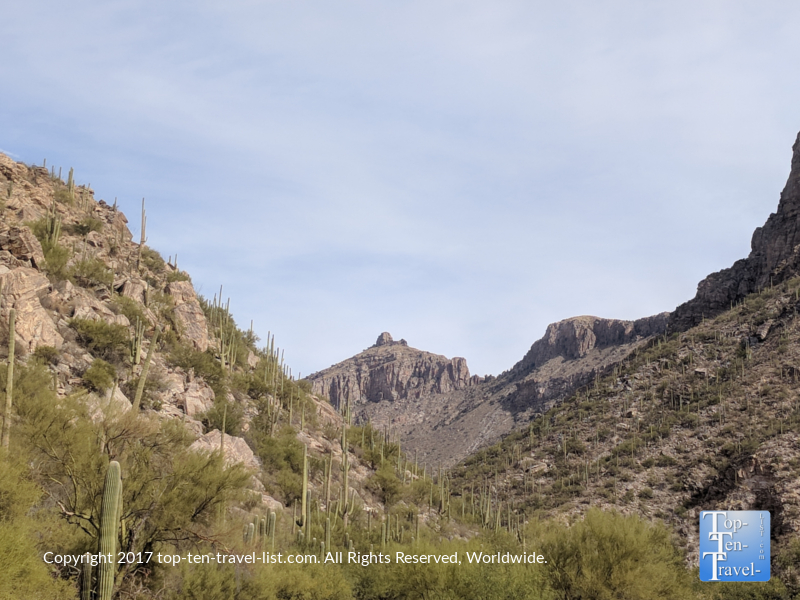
(459, 174)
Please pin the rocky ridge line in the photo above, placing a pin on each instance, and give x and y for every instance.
(774, 258)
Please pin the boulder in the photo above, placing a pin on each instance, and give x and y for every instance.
(134, 288)
(86, 306)
(270, 503)
(197, 398)
(23, 245)
(189, 315)
(235, 448)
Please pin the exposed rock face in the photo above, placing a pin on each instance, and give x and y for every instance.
(575, 337)
(390, 370)
(442, 413)
(774, 257)
(23, 245)
(189, 314)
(21, 289)
(236, 449)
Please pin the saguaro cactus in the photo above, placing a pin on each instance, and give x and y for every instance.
(6, 434)
(345, 474)
(109, 527)
(328, 533)
(303, 522)
(272, 518)
(145, 368)
(86, 578)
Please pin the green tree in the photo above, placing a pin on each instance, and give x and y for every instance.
(607, 555)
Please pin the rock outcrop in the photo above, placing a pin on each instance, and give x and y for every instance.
(444, 414)
(23, 245)
(774, 257)
(189, 315)
(21, 289)
(235, 448)
(574, 338)
(391, 371)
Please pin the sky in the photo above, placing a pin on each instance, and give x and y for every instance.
(457, 173)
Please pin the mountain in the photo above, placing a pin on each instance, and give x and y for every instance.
(443, 414)
(774, 257)
(390, 371)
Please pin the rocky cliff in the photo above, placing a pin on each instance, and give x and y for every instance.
(774, 257)
(444, 414)
(391, 371)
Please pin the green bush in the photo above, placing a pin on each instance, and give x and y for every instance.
(63, 196)
(46, 354)
(153, 384)
(84, 227)
(100, 376)
(178, 276)
(109, 341)
(385, 484)
(56, 257)
(153, 260)
(24, 574)
(202, 363)
(92, 271)
(123, 305)
(223, 411)
(608, 555)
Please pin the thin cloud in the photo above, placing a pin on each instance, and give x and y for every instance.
(459, 174)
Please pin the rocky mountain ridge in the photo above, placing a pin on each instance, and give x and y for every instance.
(391, 371)
(86, 295)
(774, 257)
(443, 414)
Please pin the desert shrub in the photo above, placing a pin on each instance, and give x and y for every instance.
(92, 271)
(575, 446)
(85, 226)
(202, 363)
(289, 485)
(178, 276)
(56, 257)
(63, 196)
(123, 305)
(24, 574)
(224, 415)
(100, 375)
(167, 488)
(281, 451)
(152, 385)
(385, 484)
(109, 341)
(153, 260)
(608, 555)
(46, 354)
(312, 582)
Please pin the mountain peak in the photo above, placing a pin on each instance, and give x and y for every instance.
(774, 257)
(386, 339)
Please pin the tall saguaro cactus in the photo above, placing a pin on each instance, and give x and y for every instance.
(145, 368)
(109, 527)
(86, 578)
(6, 434)
(143, 237)
(304, 500)
(345, 474)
